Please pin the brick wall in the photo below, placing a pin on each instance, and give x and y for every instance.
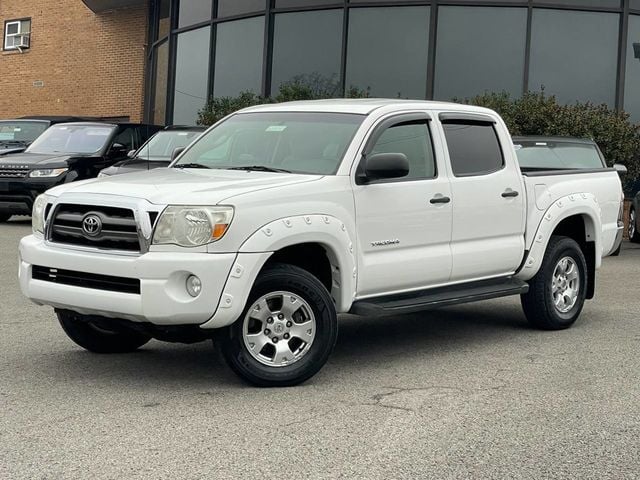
(79, 63)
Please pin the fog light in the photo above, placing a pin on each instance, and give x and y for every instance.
(194, 286)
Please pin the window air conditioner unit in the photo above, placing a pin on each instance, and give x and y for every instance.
(21, 41)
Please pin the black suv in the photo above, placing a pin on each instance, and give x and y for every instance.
(18, 133)
(64, 153)
(157, 151)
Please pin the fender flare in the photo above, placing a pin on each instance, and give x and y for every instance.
(326, 230)
(583, 204)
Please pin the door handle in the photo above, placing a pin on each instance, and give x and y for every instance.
(509, 193)
(440, 199)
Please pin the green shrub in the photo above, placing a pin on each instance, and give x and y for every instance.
(302, 87)
(536, 113)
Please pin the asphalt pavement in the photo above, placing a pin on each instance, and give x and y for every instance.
(463, 392)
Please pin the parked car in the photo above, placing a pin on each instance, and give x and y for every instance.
(64, 153)
(634, 219)
(157, 151)
(282, 216)
(17, 134)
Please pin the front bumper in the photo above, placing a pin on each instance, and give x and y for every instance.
(163, 299)
(18, 194)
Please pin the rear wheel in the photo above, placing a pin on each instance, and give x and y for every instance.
(558, 291)
(634, 236)
(4, 216)
(286, 332)
(98, 338)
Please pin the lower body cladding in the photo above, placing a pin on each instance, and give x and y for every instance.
(146, 289)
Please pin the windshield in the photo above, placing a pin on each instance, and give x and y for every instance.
(20, 131)
(72, 139)
(557, 155)
(162, 144)
(311, 143)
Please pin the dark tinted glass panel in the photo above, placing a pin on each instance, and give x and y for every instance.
(414, 141)
(304, 3)
(635, 4)
(158, 113)
(228, 8)
(193, 11)
(632, 82)
(307, 50)
(393, 64)
(164, 21)
(479, 49)
(569, 60)
(581, 3)
(192, 68)
(239, 47)
(473, 148)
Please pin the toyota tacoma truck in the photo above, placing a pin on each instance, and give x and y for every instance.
(280, 217)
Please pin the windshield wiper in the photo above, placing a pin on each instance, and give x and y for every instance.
(190, 165)
(259, 168)
(12, 142)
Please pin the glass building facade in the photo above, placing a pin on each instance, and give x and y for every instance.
(578, 50)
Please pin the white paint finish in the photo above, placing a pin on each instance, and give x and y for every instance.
(478, 235)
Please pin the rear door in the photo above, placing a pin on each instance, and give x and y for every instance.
(403, 237)
(487, 238)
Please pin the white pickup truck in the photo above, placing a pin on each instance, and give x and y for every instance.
(280, 217)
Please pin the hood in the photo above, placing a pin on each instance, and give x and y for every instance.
(182, 186)
(134, 165)
(39, 159)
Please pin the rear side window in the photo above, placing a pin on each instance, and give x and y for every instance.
(414, 141)
(474, 148)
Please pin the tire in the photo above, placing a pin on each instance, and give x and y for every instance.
(634, 235)
(291, 305)
(4, 216)
(98, 339)
(539, 303)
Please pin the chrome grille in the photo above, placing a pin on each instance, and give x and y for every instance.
(13, 171)
(118, 229)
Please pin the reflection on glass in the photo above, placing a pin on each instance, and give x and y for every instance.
(158, 114)
(632, 75)
(228, 8)
(304, 3)
(164, 20)
(239, 49)
(479, 49)
(192, 69)
(570, 61)
(306, 47)
(393, 64)
(193, 11)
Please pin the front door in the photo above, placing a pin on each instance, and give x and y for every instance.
(487, 238)
(404, 224)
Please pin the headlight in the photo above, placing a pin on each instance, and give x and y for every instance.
(191, 226)
(47, 172)
(37, 216)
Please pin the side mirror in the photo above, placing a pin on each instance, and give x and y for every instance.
(621, 169)
(386, 165)
(131, 154)
(117, 149)
(176, 152)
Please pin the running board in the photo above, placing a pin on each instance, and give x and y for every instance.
(439, 297)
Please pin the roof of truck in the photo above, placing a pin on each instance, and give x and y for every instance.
(362, 106)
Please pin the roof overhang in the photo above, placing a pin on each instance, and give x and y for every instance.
(98, 6)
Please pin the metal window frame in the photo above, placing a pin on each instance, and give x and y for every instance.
(270, 12)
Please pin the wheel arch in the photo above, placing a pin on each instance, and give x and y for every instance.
(575, 216)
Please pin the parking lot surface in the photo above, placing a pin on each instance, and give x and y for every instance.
(463, 392)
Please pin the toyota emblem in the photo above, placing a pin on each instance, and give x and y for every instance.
(91, 225)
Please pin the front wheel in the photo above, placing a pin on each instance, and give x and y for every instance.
(558, 291)
(98, 338)
(634, 236)
(286, 332)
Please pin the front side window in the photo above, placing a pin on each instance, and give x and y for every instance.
(71, 139)
(162, 144)
(474, 148)
(17, 34)
(414, 141)
(311, 143)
